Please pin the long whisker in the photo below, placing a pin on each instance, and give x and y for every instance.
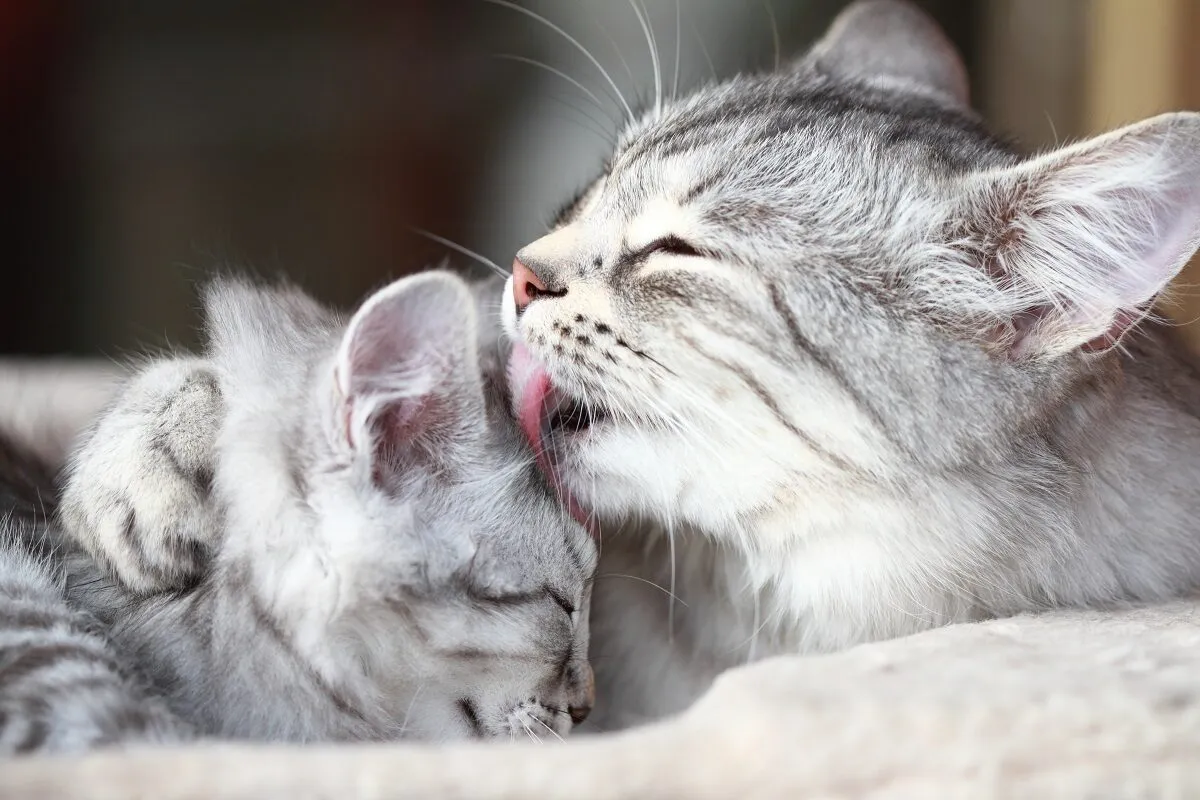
(678, 46)
(758, 625)
(620, 55)
(654, 62)
(408, 713)
(704, 50)
(573, 41)
(487, 262)
(558, 72)
(662, 589)
(774, 31)
(586, 121)
(671, 605)
(553, 732)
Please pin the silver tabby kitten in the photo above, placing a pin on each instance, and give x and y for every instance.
(857, 367)
(63, 687)
(356, 542)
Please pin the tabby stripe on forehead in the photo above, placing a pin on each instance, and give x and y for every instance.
(478, 654)
(768, 400)
(822, 360)
(702, 186)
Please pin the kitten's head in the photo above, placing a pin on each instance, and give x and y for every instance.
(420, 551)
(831, 276)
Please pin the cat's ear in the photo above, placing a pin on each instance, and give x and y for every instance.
(891, 39)
(407, 373)
(1080, 242)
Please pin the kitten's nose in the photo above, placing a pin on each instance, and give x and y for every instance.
(527, 286)
(586, 697)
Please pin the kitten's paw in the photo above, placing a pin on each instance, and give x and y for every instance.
(137, 495)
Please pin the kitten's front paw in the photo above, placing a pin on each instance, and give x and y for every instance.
(137, 496)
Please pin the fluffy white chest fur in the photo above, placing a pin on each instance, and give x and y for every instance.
(670, 617)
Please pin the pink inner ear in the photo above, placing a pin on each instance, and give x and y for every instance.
(343, 409)
(1124, 321)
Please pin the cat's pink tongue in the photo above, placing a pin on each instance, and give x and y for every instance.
(530, 380)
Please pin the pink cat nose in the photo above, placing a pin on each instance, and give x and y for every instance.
(527, 286)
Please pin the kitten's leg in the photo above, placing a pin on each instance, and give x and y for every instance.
(137, 491)
(63, 687)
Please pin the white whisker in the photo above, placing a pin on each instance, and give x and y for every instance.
(671, 605)
(774, 31)
(647, 31)
(412, 700)
(559, 73)
(620, 55)
(712, 68)
(574, 42)
(596, 127)
(662, 589)
(553, 732)
(487, 262)
(678, 47)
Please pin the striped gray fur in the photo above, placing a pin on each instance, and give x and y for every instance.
(866, 369)
(64, 687)
(325, 529)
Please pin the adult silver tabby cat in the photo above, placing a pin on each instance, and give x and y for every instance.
(850, 368)
(355, 538)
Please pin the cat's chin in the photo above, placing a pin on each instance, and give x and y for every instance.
(547, 416)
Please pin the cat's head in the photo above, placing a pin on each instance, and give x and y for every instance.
(828, 277)
(427, 555)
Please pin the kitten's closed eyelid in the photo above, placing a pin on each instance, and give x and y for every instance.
(562, 601)
(527, 598)
(673, 245)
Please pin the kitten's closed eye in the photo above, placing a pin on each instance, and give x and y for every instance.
(526, 598)
(672, 245)
(561, 601)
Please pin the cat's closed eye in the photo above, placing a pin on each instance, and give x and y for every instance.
(526, 598)
(561, 601)
(672, 245)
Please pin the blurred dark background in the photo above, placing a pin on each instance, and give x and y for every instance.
(145, 142)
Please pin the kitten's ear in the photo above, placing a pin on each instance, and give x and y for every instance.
(1080, 242)
(892, 39)
(407, 371)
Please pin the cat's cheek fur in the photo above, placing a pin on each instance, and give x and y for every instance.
(613, 471)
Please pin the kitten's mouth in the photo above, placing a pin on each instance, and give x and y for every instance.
(546, 413)
(562, 413)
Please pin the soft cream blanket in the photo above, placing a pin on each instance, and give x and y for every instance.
(1068, 704)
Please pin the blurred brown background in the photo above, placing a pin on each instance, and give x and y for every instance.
(143, 142)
